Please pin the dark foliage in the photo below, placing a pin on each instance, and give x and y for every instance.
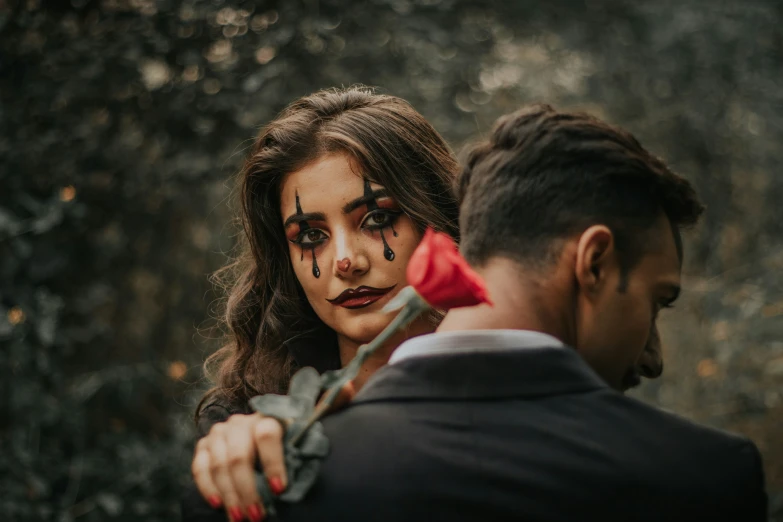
(122, 121)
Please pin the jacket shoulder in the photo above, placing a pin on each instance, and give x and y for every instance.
(693, 458)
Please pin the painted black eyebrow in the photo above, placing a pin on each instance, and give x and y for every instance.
(360, 202)
(298, 218)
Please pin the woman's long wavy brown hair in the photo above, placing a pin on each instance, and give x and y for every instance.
(271, 330)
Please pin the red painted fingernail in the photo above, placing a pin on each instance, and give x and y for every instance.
(254, 512)
(236, 514)
(276, 484)
(214, 501)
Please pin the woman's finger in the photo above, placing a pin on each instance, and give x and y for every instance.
(241, 450)
(219, 469)
(268, 437)
(202, 475)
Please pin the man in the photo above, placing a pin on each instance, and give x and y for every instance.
(512, 412)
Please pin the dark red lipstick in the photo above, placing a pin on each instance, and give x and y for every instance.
(353, 298)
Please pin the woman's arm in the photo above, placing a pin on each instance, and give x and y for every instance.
(226, 456)
(211, 415)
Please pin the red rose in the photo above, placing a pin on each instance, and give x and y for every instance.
(441, 275)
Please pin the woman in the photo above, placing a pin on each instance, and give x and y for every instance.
(335, 195)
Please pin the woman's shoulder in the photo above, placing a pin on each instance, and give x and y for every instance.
(217, 409)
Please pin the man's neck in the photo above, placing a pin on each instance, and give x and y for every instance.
(520, 302)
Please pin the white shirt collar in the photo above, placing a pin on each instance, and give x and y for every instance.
(472, 341)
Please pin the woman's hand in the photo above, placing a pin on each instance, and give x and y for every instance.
(224, 462)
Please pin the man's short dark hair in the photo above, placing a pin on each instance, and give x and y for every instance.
(545, 174)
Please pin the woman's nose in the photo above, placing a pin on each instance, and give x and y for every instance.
(343, 265)
(349, 260)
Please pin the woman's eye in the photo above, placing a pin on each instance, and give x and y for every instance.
(380, 219)
(312, 237)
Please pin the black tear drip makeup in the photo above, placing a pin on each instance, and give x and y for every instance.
(304, 226)
(388, 253)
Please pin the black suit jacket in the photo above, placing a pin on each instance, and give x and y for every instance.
(529, 435)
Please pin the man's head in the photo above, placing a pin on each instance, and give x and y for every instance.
(581, 204)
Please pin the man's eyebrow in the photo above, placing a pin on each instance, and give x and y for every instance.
(298, 218)
(361, 201)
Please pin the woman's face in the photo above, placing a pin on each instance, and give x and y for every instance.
(349, 244)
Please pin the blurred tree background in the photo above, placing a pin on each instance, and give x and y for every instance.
(124, 120)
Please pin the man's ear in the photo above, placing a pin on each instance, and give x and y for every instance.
(594, 257)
